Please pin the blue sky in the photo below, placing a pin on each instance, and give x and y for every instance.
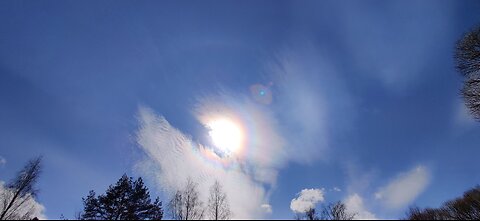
(365, 97)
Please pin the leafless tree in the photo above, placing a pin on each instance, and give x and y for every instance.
(218, 206)
(186, 204)
(309, 214)
(467, 53)
(471, 95)
(17, 196)
(467, 56)
(416, 213)
(175, 206)
(466, 207)
(336, 211)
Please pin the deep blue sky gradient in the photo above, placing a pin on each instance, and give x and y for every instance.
(73, 74)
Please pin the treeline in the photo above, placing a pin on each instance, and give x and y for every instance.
(130, 199)
(333, 211)
(127, 199)
(466, 207)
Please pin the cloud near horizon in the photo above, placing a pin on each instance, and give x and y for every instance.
(29, 206)
(172, 157)
(355, 205)
(250, 175)
(405, 188)
(307, 199)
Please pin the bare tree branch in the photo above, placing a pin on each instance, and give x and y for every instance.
(467, 54)
(21, 190)
(471, 95)
(186, 204)
(218, 206)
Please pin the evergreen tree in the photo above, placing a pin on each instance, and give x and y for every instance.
(126, 200)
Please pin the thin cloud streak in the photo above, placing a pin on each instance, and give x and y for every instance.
(3, 161)
(405, 188)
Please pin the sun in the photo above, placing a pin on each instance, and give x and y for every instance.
(226, 135)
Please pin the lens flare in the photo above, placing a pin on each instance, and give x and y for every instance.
(226, 135)
(262, 94)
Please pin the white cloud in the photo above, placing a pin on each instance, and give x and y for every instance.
(172, 157)
(462, 117)
(355, 205)
(267, 208)
(3, 161)
(405, 188)
(307, 93)
(336, 189)
(30, 206)
(310, 95)
(307, 198)
(265, 148)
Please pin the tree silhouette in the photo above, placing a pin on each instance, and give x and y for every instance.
(218, 206)
(334, 211)
(309, 214)
(471, 95)
(467, 56)
(467, 53)
(466, 207)
(126, 200)
(18, 195)
(186, 204)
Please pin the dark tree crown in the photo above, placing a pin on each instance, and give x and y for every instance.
(466, 207)
(467, 53)
(126, 200)
(467, 57)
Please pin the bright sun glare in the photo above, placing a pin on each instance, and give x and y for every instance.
(226, 135)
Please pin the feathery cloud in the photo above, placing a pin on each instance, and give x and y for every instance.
(405, 188)
(172, 157)
(3, 161)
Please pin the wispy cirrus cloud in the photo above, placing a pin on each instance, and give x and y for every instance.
(172, 157)
(405, 188)
(302, 99)
(393, 196)
(355, 205)
(411, 39)
(462, 117)
(3, 161)
(310, 95)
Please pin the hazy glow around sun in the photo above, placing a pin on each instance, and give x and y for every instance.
(226, 135)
